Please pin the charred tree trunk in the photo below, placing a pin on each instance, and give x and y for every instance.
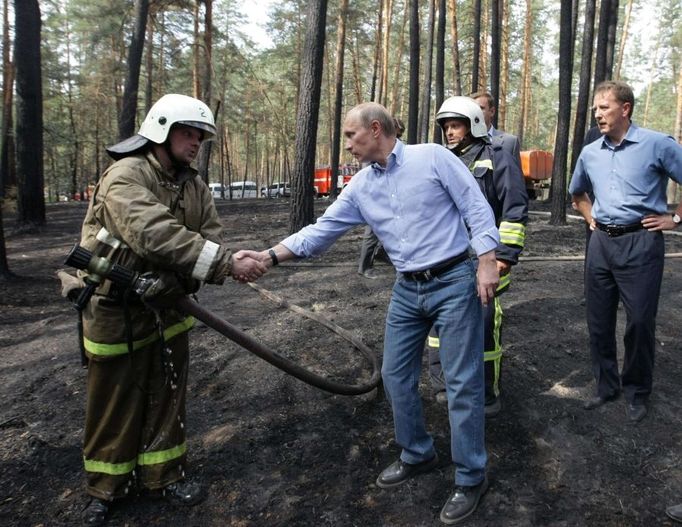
(338, 99)
(205, 150)
(584, 85)
(425, 110)
(302, 207)
(126, 122)
(611, 37)
(558, 187)
(413, 112)
(29, 123)
(377, 52)
(7, 168)
(496, 38)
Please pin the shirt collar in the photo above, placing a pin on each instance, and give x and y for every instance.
(631, 136)
(394, 158)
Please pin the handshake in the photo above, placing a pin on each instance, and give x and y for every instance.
(249, 266)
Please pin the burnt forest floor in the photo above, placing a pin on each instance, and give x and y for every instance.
(274, 451)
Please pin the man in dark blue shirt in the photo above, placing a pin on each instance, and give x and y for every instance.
(627, 172)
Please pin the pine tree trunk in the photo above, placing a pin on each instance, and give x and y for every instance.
(526, 75)
(29, 122)
(496, 34)
(126, 122)
(399, 59)
(149, 66)
(205, 150)
(425, 111)
(623, 40)
(383, 86)
(413, 112)
(584, 84)
(477, 47)
(377, 52)
(440, 66)
(5, 272)
(558, 188)
(456, 68)
(338, 98)
(8, 177)
(302, 206)
(504, 67)
(611, 38)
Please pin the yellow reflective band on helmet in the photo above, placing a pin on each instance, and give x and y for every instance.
(483, 163)
(512, 233)
(433, 342)
(161, 456)
(111, 350)
(113, 469)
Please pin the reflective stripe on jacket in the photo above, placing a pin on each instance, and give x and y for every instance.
(145, 219)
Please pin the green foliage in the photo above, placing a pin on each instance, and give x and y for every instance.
(84, 64)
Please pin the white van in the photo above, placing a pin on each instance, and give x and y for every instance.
(242, 189)
(216, 190)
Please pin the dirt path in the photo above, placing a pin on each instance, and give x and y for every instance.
(274, 451)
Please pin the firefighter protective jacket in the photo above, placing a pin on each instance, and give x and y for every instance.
(146, 219)
(501, 181)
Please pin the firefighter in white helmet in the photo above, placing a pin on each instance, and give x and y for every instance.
(501, 180)
(150, 212)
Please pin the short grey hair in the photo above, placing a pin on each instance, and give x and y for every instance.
(368, 112)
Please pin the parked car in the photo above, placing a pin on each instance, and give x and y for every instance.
(276, 190)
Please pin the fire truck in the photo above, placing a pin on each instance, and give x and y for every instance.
(323, 178)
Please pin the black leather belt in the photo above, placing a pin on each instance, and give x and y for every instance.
(438, 269)
(618, 230)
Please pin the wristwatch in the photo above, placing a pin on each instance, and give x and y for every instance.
(676, 220)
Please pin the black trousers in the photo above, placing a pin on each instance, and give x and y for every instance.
(370, 248)
(627, 268)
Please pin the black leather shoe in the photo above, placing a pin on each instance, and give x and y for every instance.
(636, 412)
(462, 502)
(399, 472)
(675, 512)
(597, 401)
(184, 493)
(96, 512)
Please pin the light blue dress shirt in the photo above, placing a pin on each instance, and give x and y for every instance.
(419, 206)
(629, 180)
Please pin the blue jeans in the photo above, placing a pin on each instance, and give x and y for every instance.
(448, 302)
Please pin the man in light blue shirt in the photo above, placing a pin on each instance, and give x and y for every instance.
(420, 200)
(627, 170)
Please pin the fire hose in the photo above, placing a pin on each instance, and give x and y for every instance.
(99, 268)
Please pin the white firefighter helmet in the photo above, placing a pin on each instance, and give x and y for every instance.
(168, 110)
(460, 107)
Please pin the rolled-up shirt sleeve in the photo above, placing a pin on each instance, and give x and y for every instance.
(315, 239)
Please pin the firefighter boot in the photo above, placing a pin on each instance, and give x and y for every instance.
(96, 512)
(184, 492)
